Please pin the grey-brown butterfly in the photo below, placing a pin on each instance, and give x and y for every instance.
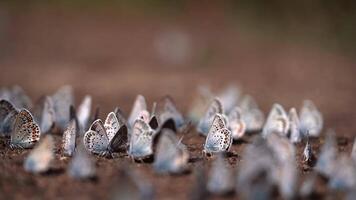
(7, 117)
(311, 119)
(141, 140)
(205, 122)
(40, 158)
(139, 106)
(62, 100)
(219, 138)
(277, 121)
(26, 132)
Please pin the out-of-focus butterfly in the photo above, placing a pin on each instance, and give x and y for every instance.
(40, 158)
(256, 177)
(308, 187)
(69, 138)
(221, 178)
(308, 153)
(106, 138)
(206, 121)
(311, 120)
(277, 121)
(62, 100)
(83, 113)
(343, 176)
(167, 109)
(139, 109)
(294, 126)
(219, 138)
(251, 114)
(171, 155)
(236, 124)
(199, 190)
(81, 165)
(200, 102)
(7, 117)
(26, 132)
(328, 154)
(229, 97)
(141, 140)
(286, 172)
(353, 152)
(44, 114)
(131, 185)
(17, 96)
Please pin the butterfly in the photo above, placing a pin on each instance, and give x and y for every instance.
(219, 138)
(167, 109)
(69, 138)
(221, 178)
(251, 114)
(81, 166)
(277, 121)
(17, 96)
(131, 185)
(328, 154)
(40, 158)
(205, 122)
(202, 99)
(343, 176)
(236, 124)
(44, 114)
(353, 152)
(308, 153)
(171, 155)
(229, 97)
(26, 132)
(106, 138)
(311, 120)
(62, 100)
(139, 109)
(141, 140)
(294, 126)
(7, 117)
(83, 113)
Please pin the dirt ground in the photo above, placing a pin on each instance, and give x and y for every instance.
(114, 57)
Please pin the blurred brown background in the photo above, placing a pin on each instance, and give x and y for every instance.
(278, 51)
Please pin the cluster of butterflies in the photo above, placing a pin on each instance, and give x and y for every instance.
(269, 162)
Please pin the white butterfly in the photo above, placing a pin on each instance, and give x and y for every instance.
(8, 115)
(206, 121)
(83, 112)
(294, 126)
(17, 96)
(277, 121)
(311, 120)
(328, 154)
(26, 132)
(171, 155)
(137, 110)
(221, 178)
(308, 153)
(251, 114)
(69, 138)
(236, 124)
(106, 138)
(48, 115)
(141, 140)
(62, 100)
(229, 97)
(353, 152)
(219, 138)
(81, 165)
(40, 158)
(167, 109)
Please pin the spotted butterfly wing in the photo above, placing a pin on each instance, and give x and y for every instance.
(95, 140)
(111, 125)
(219, 138)
(26, 132)
(69, 137)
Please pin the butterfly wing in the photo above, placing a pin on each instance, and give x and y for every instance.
(311, 120)
(277, 121)
(69, 137)
(95, 140)
(236, 123)
(62, 100)
(294, 126)
(141, 140)
(39, 159)
(168, 109)
(219, 138)
(171, 156)
(81, 166)
(111, 125)
(26, 132)
(119, 141)
(221, 178)
(205, 122)
(48, 115)
(83, 112)
(7, 117)
(139, 105)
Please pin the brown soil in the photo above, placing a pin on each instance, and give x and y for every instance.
(112, 58)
